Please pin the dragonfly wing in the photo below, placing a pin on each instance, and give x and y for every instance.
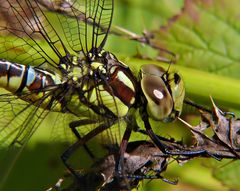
(25, 32)
(19, 120)
(86, 23)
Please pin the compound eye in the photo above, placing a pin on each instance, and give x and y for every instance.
(151, 69)
(160, 103)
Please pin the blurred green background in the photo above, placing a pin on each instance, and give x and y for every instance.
(205, 38)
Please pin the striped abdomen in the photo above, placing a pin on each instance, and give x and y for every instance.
(22, 80)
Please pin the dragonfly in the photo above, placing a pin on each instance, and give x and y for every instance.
(73, 75)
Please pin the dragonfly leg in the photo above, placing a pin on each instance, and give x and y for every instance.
(80, 142)
(197, 106)
(74, 124)
(151, 177)
(164, 148)
(120, 159)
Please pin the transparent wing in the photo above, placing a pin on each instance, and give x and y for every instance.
(24, 30)
(60, 131)
(86, 23)
(19, 120)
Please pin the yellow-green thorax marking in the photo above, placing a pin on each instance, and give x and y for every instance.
(104, 82)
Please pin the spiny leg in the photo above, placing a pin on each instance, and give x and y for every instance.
(120, 162)
(119, 169)
(151, 177)
(164, 148)
(80, 142)
(73, 126)
(197, 106)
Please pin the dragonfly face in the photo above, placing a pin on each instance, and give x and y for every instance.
(164, 92)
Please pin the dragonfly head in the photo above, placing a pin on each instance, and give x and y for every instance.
(163, 91)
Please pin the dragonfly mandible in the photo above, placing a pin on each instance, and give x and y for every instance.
(74, 75)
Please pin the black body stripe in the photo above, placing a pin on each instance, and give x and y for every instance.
(24, 80)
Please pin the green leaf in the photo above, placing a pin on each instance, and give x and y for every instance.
(227, 172)
(205, 35)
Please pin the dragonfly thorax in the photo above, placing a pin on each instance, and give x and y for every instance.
(104, 83)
